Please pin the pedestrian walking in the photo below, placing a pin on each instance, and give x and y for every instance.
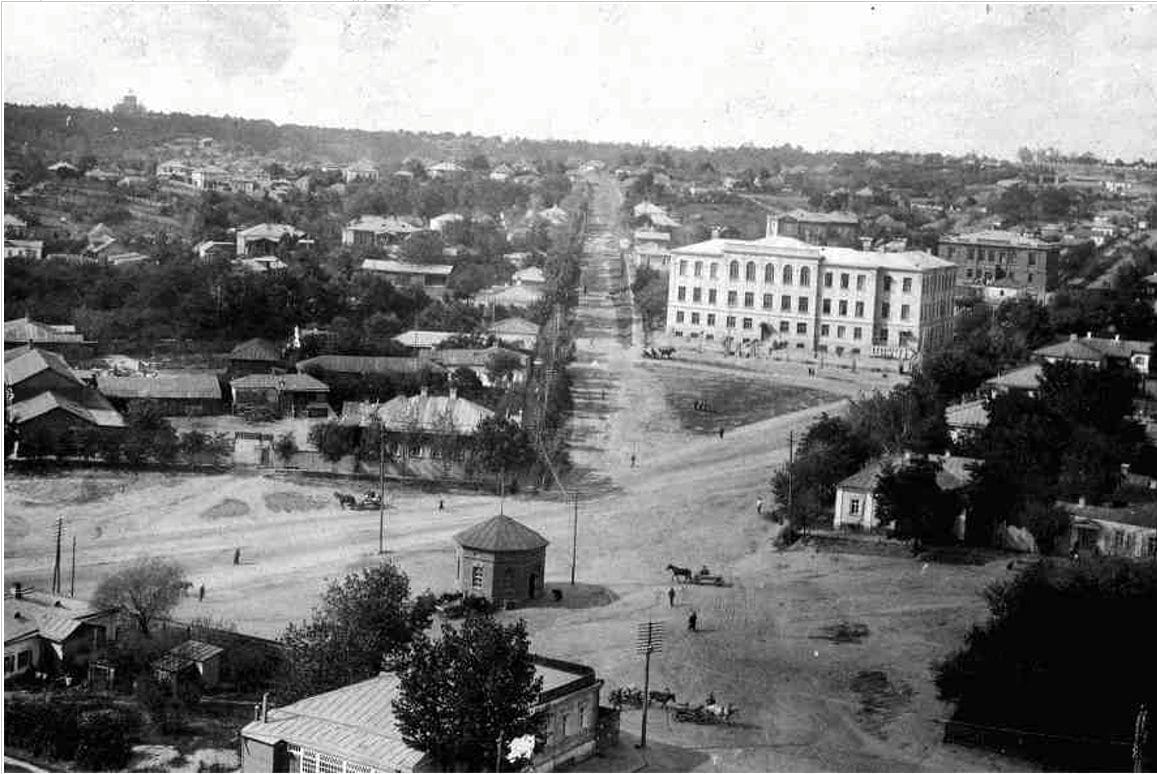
(671, 597)
(201, 593)
(632, 460)
(759, 506)
(721, 432)
(236, 556)
(604, 394)
(441, 505)
(692, 620)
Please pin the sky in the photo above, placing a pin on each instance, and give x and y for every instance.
(951, 78)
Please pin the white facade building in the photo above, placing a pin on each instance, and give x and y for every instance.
(781, 293)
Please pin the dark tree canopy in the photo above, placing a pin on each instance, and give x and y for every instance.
(145, 590)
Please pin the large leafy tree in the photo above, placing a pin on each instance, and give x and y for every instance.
(461, 694)
(502, 445)
(364, 623)
(1067, 651)
(910, 496)
(828, 453)
(144, 591)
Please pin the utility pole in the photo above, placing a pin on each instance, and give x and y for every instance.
(1140, 737)
(574, 540)
(648, 640)
(790, 463)
(56, 564)
(381, 488)
(72, 578)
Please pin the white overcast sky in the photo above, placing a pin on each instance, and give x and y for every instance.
(856, 76)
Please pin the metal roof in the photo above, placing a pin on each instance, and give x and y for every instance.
(970, 414)
(423, 339)
(1090, 348)
(436, 414)
(176, 387)
(272, 231)
(501, 533)
(364, 364)
(356, 723)
(30, 362)
(514, 325)
(25, 329)
(998, 238)
(1024, 378)
(51, 617)
(835, 218)
(281, 382)
(400, 267)
(453, 358)
(954, 472)
(256, 349)
(195, 650)
(47, 402)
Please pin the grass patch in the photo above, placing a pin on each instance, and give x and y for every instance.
(226, 509)
(733, 399)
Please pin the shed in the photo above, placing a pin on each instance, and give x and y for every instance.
(204, 657)
(255, 356)
(501, 559)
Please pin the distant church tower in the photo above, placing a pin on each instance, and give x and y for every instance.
(129, 105)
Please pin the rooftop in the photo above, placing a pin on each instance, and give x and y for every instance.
(26, 363)
(805, 216)
(280, 382)
(271, 231)
(25, 329)
(361, 364)
(423, 339)
(256, 349)
(434, 414)
(400, 267)
(1090, 348)
(99, 414)
(970, 414)
(954, 472)
(177, 386)
(1023, 378)
(997, 237)
(501, 533)
(52, 617)
(519, 326)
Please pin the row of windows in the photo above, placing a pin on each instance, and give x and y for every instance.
(841, 332)
(731, 321)
(750, 272)
(990, 255)
(988, 275)
(801, 303)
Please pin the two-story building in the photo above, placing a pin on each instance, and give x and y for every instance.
(780, 293)
(430, 277)
(1003, 260)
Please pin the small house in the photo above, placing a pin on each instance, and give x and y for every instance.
(501, 560)
(1129, 532)
(255, 356)
(195, 657)
(175, 395)
(482, 361)
(50, 633)
(516, 332)
(856, 495)
(289, 395)
(430, 277)
(264, 238)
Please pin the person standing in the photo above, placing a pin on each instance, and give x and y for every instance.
(441, 505)
(671, 597)
(721, 432)
(236, 556)
(759, 506)
(201, 593)
(632, 460)
(692, 621)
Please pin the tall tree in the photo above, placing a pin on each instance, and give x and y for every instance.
(463, 694)
(147, 589)
(909, 496)
(364, 623)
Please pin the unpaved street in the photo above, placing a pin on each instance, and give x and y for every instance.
(806, 703)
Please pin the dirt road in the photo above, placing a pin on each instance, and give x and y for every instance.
(806, 702)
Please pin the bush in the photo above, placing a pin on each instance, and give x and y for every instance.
(103, 740)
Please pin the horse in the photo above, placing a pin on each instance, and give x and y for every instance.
(681, 574)
(662, 697)
(667, 352)
(345, 500)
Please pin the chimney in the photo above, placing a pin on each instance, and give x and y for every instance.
(265, 707)
(1081, 502)
(772, 226)
(17, 590)
(1088, 334)
(715, 232)
(453, 393)
(865, 244)
(424, 392)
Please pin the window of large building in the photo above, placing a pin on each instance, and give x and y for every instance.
(698, 268)
(885, 310)
(801, 304)
(826, 305)
(747, 323)
(696, 294)
(787, 275)
(906, 286)
(679, 316)
(683, 268)
(476, 576)
(784, 326)
(694, 318)
(801, 328)
(861, 281)
(733, 270)
(711, 295)
(681, 293)
(859, 309)
(840, 330)
(768, 300)
(887, 284)
(732, 297)
(825, 330)
(857, 333)
(827, 279)
(1032, 259)
(749, 271)
(905, 311)
(730, 322)
(769, 274)
(749, 300)
(805, 277)
(843, 308)
(714, 270)
(845, 279)
(710, 321)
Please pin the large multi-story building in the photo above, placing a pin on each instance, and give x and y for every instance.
(1003, 259)
(781, 293)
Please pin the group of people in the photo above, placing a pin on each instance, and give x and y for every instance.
(693, 616)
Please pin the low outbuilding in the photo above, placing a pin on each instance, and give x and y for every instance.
(502, 560)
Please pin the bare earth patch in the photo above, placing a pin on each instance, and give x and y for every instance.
(226, 509)
(880, 700)
(844, 631)
(293, 501)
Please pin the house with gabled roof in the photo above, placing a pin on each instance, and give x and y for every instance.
(378, 231)
(360, 171)
(430, 277)
(29, 371)
(856, 506)
(517, 332)
(255, 356)
(289, 395)
(423, 340)
(263, 238)
(63, 339)
(51, 633)
(172, 394)
(1099, 352)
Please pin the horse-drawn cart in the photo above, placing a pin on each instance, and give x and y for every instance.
(704, 714)
(703, 577)
(370, 501)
